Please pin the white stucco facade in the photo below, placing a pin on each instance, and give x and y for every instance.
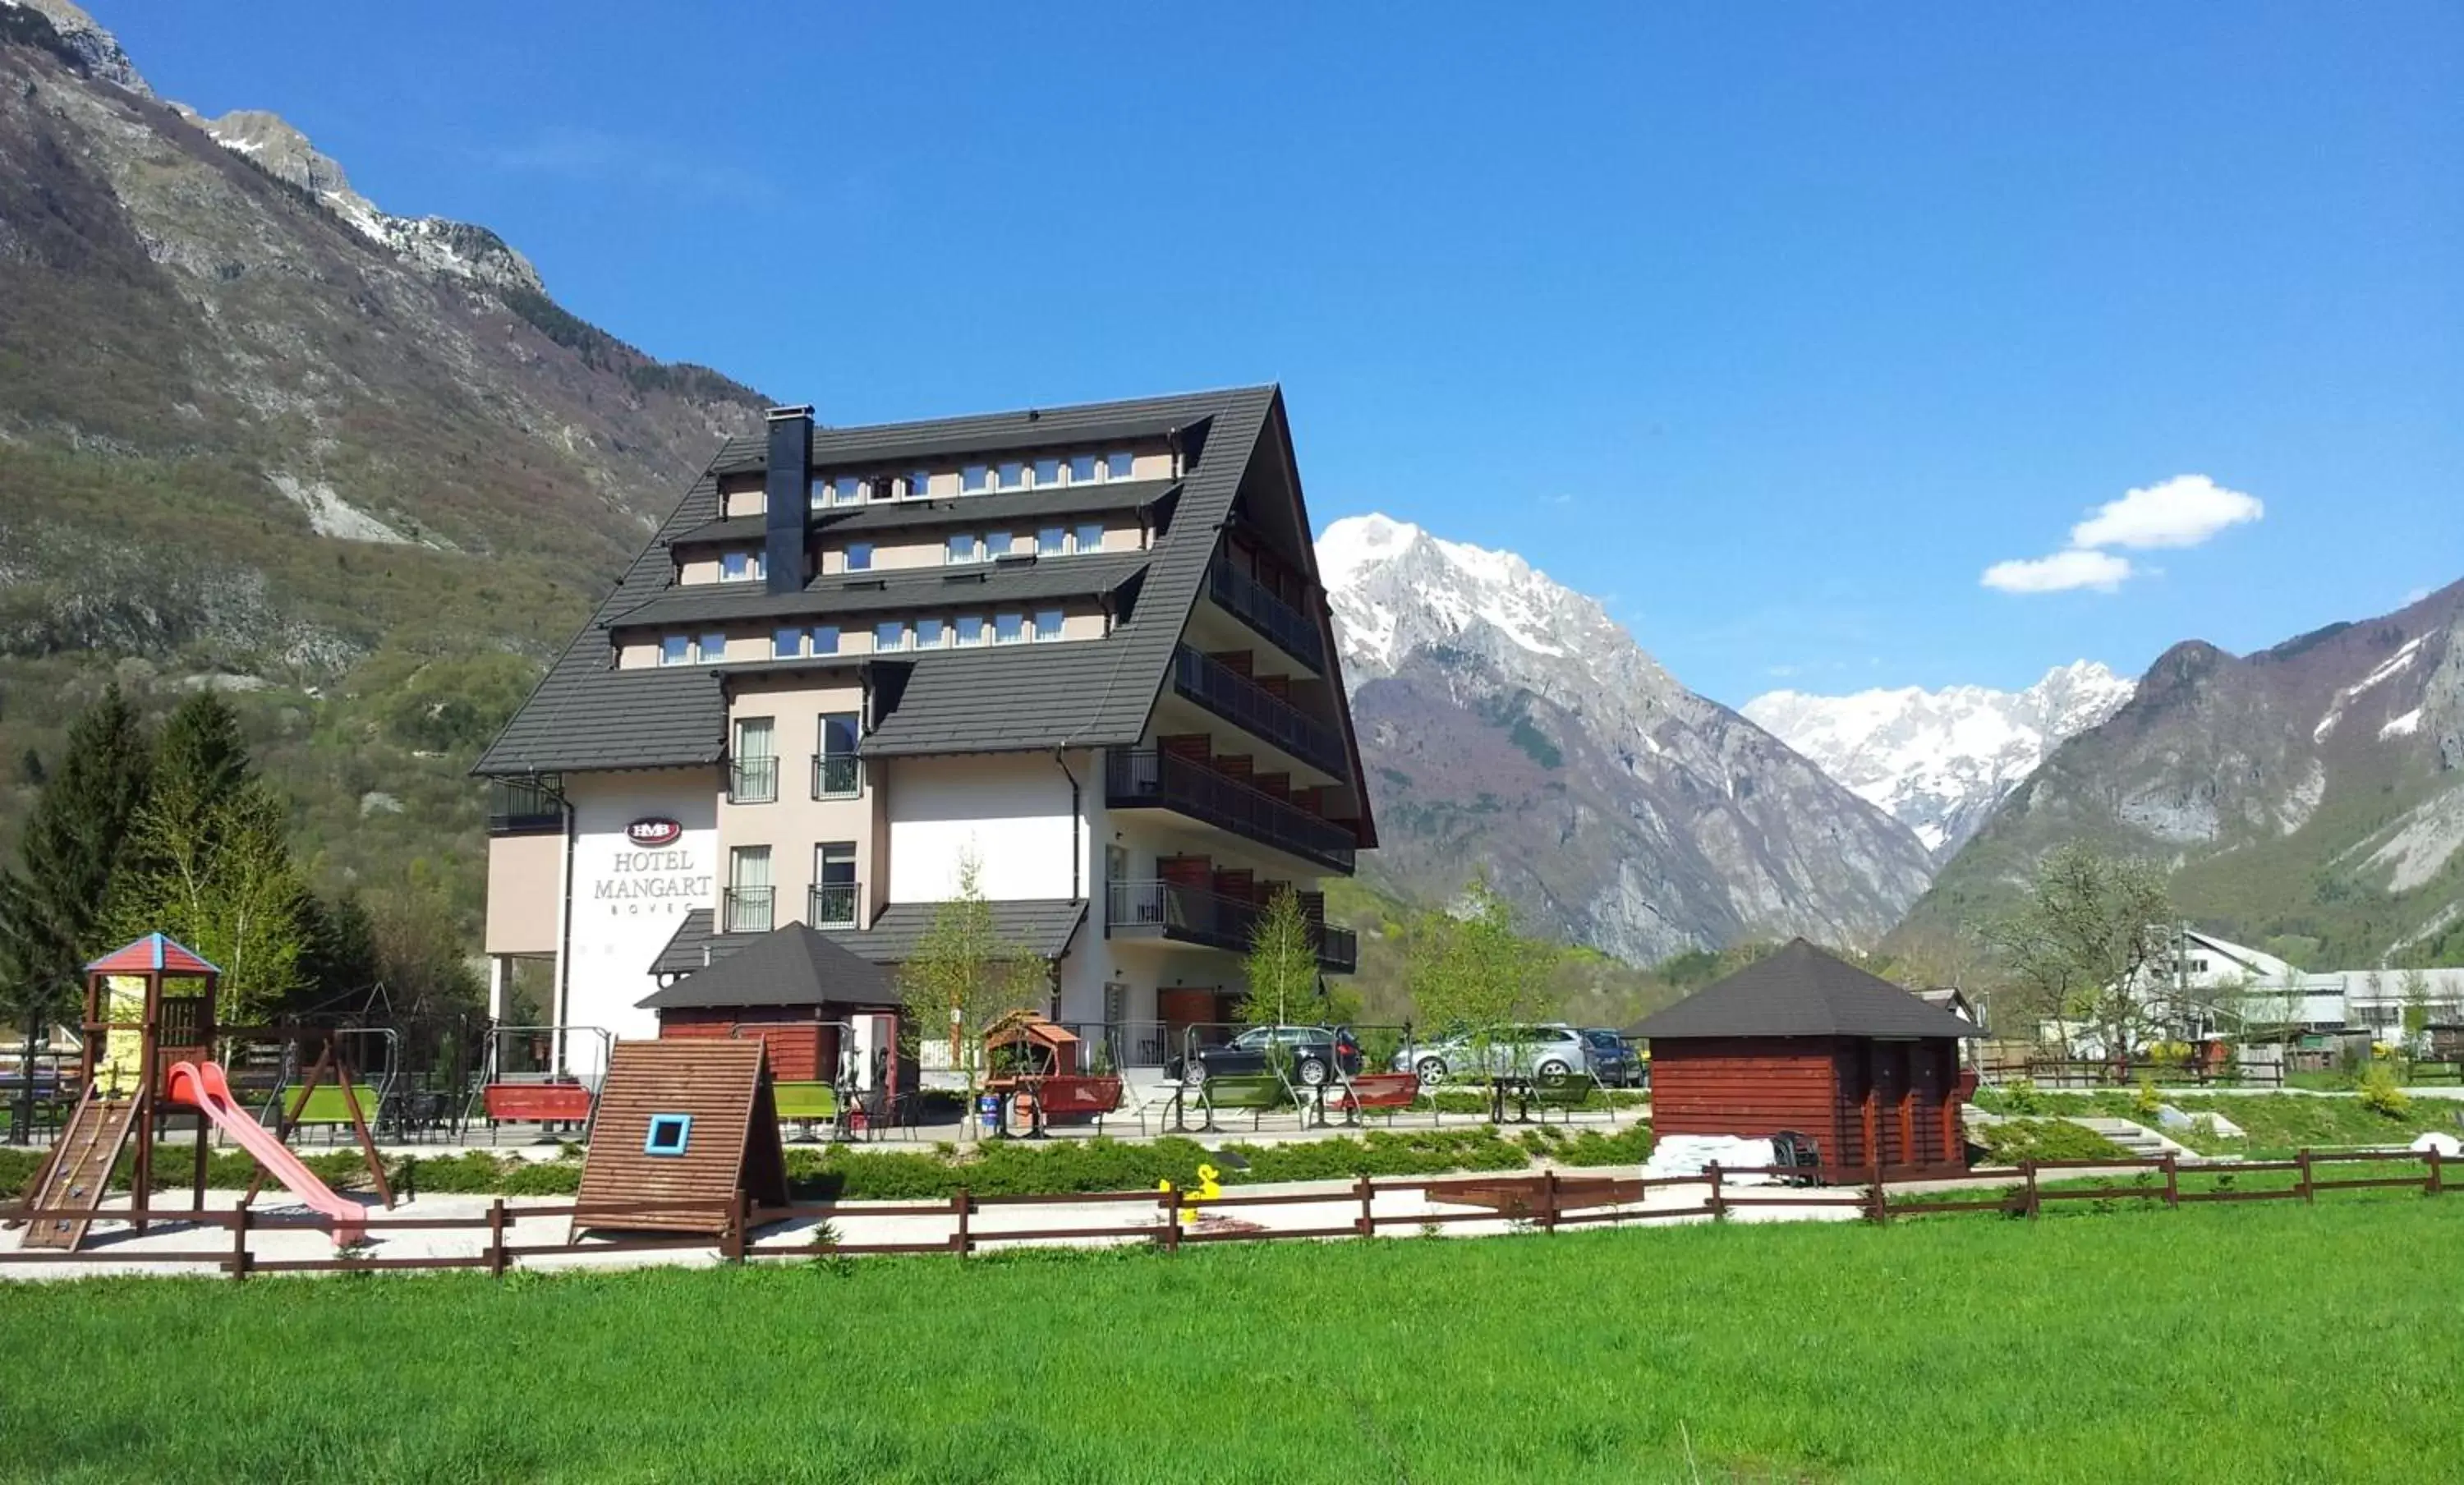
(629, 898)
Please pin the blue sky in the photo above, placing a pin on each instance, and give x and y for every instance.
(1777, 326)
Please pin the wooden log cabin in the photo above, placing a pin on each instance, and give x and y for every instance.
(1805, 1042)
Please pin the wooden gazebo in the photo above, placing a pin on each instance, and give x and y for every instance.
(1806, 1043)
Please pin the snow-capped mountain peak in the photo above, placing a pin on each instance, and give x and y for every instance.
(1940, 761)
(1507, 719)
(1394, 586)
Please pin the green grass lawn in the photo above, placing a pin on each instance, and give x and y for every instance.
(2253, 1343)
(2277, 1125)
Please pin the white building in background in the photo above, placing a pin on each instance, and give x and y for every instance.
(2266, 989)
(1083, 648)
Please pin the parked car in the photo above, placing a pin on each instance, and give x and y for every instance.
(1512, 1051)
(1613, 1061)
(1315, 1052)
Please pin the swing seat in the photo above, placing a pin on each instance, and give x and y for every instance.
(1076, 1096)
(1380, 1091)
(326, 1104)
(806, 1103)
(542, 1103)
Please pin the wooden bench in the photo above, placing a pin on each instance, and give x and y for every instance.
(805, 1105)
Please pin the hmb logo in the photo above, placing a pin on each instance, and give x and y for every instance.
(652, 830)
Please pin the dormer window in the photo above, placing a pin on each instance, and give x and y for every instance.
(859, 556)
(739, 567)
(974, 479)
(1013, 476)
(676, 650)
(1118, 466)
(1047, 474)
(919, 483)
(1082, 470)
(962, 550)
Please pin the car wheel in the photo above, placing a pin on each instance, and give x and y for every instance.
(1430, 1069)
(1312, 1073)
(1553, 1068)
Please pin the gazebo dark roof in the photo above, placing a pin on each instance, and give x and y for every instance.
(1800, 991)
(793, 966)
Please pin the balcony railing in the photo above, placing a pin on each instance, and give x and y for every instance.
(518, 808)
(1251, 707)
(1195, 914)
(836, 776)
(747, 909)
(1291, 630)
(753, 781)
(833, 905)
(1161, 781)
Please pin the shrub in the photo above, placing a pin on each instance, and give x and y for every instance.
(2016, 1140)
(2144, 1104)
(2381, 1094)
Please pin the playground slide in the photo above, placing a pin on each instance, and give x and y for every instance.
(203, 1084)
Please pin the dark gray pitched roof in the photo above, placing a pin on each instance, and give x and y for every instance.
(1800, 991)
(793, 966)
(1018, 579)
(1040, 927)
(989, 433)
(981, 510)
(1094, 692)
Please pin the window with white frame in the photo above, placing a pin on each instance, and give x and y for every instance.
(1009, 629)
(1052, 541)
(1047, 474)
(974, 479)
(1118, 466)
(889, 634)
(714, 648)
(999, 545)
(1089, 538)
(825, 639)
(786, 644)
(1048, 623)
(962, 548)
(676, 650)
(740, 567)
(859, 556)
(919, 483)
(1082, 469)
(931, 634)
(971, 628)
(1013, 475)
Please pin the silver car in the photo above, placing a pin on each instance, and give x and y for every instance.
(1550, 1051)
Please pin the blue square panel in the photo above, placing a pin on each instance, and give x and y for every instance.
(669, 1133)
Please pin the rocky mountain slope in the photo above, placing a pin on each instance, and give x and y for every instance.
(257, 433)
(1940, 761)
(1509, 721)
(2311, 791)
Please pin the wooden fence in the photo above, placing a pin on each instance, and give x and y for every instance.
(1546, 1202)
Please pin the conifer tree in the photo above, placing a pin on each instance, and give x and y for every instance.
(54, 905)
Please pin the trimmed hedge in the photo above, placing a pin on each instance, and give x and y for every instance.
(997, 1168)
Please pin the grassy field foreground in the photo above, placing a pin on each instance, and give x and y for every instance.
(2249, 1343)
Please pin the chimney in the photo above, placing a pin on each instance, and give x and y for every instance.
(787, 497)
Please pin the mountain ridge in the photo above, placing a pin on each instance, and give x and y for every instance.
(2311, 791)
(1502, 713)
(1940, 761)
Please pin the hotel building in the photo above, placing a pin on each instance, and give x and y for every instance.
(1085, 648)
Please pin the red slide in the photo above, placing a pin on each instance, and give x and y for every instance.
(203, 1084)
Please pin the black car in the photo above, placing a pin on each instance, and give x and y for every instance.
(1613, 1062)
(1315, 1052)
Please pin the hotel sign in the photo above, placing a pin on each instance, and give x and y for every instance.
(663, 877)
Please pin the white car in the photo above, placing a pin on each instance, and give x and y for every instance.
(1550, 1051)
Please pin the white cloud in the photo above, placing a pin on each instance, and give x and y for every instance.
(2182, 511)
(2060, 573)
